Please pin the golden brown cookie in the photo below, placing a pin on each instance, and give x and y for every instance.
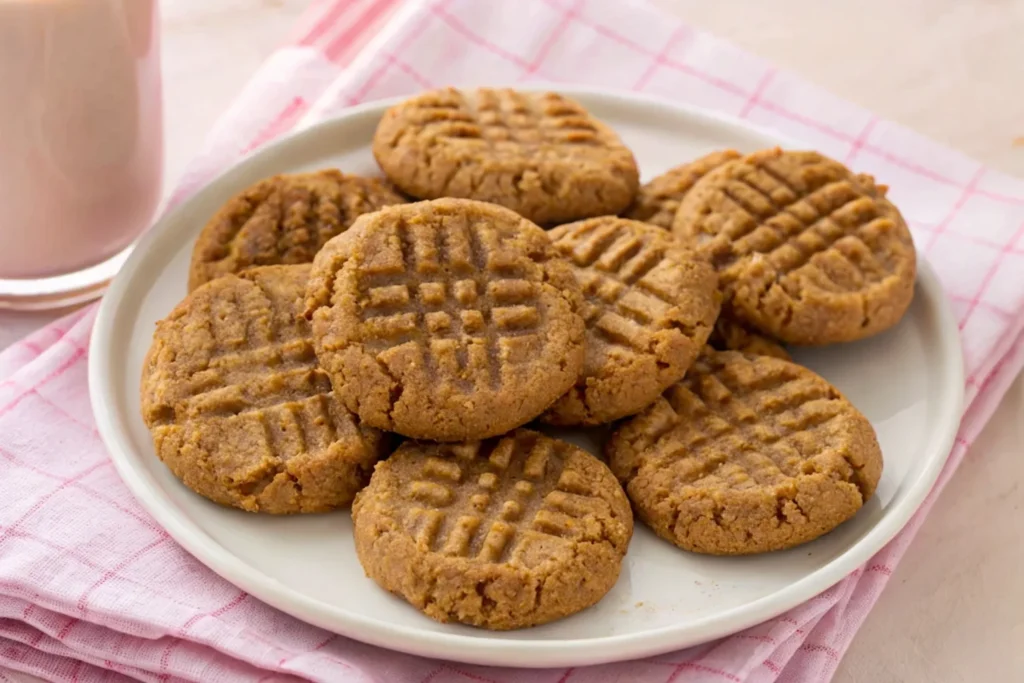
(511, 532)
(746, 455)
(649, 308)
(657, 201)
(282, 220)
(540, 154)
(806, 251)
(448, 320)
(238, 407)
(729, 334)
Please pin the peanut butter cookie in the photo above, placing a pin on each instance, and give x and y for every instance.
(541, 154)
(512, 532)
(238, 407)
(649, 307)
(746, 455)
(285, 219)
(447, 320)
(657, 201)
(729, 334)
(806, 251)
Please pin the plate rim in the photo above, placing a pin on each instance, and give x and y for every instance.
(495, 651)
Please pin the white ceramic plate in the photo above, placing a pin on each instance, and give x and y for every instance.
(908, 382)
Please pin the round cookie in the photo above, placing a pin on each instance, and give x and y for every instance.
(806, 251)
(506, 533)
(284, 219)
(649, 308)
(657, 201)
(541, 154)
(239, 409)
(447, 320)
(746, 455)
(729, 334)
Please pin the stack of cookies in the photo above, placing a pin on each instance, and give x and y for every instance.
(383, 344)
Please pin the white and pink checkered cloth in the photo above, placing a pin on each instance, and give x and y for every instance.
(91, 589)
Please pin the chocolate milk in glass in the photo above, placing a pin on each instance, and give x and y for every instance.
(80, 134)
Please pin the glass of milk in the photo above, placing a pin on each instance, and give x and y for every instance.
(81, 144)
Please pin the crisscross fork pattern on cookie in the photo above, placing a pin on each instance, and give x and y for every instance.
(503, 117)
(261, 370)
(746, 432)
(456, 293)
(259, 357)
(623, 304)
(504, 491)
(791, 227)
(282, 200)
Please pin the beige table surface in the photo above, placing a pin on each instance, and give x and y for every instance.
(954, 609)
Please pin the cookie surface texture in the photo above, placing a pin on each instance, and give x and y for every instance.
(806, 251)
(729, 334)
(284, 219)
(540, 154)
(746, 455)
(238, 407)
(649, 307)
(501, 534)
(448, 320)
(658, 200)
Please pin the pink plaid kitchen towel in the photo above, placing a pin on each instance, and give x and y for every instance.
(91, 589)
